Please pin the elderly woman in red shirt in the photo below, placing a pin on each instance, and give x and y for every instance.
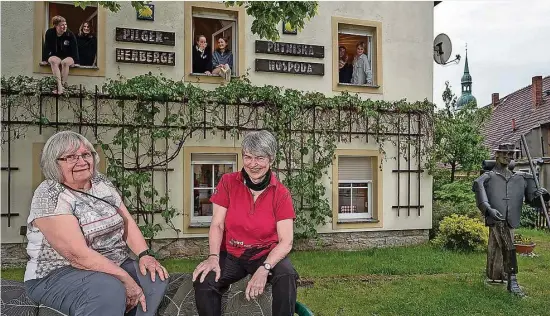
(251, 233)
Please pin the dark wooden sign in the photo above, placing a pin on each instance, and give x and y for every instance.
(138, 56)
(124, 34)
(290, 67)
(291, 49)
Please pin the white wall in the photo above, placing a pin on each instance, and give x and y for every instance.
(407, 70)
(407, 45)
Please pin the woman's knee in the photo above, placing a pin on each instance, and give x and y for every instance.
(67, 61)
(208, 280)
(106, 288)
(54, 60)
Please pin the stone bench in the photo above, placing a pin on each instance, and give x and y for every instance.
(179, 300)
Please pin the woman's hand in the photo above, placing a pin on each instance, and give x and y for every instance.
(151, 264)
(134, 295)
(210, 264)
(257, 283)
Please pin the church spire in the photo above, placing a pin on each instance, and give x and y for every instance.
(466, 83)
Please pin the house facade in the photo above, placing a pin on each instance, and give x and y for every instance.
(378, 198)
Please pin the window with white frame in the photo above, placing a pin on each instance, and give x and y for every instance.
(355, 188)
(354, 41)
(77, 21)
(213, 25)
(207, 170)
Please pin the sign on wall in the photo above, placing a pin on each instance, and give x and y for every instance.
(146, 13)
(138, 56)
(291, 49)
(124, 34)
(290, 67)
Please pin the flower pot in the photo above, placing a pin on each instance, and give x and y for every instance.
(521, 248)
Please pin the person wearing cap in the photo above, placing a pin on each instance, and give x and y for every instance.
(500, 194)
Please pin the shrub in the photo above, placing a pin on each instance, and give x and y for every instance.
(528, 217)
(453, 198)
(442, 209)
(455, 192)
(458, 232)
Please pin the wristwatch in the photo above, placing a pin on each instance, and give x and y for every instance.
(267, 266)
(144, 253)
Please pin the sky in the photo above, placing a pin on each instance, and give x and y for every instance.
(508, 44)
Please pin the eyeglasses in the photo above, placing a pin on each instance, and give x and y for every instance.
(261, 160)
(74, 158)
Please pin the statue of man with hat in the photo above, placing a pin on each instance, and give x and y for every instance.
(500, 193)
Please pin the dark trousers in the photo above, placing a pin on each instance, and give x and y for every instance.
(283, 278)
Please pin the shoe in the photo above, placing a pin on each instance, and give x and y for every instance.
(513, 286)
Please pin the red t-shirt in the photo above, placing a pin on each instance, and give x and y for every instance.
(251, 227)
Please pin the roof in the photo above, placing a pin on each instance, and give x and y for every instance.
(517, 106)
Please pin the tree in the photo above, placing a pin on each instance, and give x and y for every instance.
(458, 142)
(268, 15)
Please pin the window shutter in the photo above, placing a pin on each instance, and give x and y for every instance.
(198, 158)
(214, 14)
(354, 168)
(355, 30)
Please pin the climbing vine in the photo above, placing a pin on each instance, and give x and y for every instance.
(142, 124)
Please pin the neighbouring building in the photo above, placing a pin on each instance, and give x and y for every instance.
(523, 112)
(393, 204)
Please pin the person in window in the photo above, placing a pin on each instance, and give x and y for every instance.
(362, 72)
(251, 233)
(344, 67)
(60, 51)
(80, 235)
(87, 45)
(222, 60)
(202, 59)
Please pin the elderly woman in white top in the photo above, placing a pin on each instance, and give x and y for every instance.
(79, 232)
(362, 72)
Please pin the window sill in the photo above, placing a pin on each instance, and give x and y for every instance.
(357, 220)
(204, 78)
(199, 224)
(87, 71)
(73, 66)
(359, 85)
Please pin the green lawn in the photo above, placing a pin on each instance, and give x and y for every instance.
(416, 280)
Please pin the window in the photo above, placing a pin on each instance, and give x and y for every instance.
(207, 170)
(91, 64)
(357, 189)
(354, 188)
(357, 55)
(213, 21)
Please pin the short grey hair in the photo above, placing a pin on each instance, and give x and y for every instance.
(261, 143)
(66, 142)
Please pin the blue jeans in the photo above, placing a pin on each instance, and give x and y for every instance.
(79, 292)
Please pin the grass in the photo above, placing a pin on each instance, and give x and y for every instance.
(419, 280)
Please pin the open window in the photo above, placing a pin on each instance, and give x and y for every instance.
(357, 55)
(213, 21)
(91, 49)
(214, 27)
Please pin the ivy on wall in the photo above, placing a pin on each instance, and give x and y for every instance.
(146, 120)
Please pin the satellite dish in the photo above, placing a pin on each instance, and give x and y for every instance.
(442, 48)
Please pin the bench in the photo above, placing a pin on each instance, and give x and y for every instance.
(179, 300)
